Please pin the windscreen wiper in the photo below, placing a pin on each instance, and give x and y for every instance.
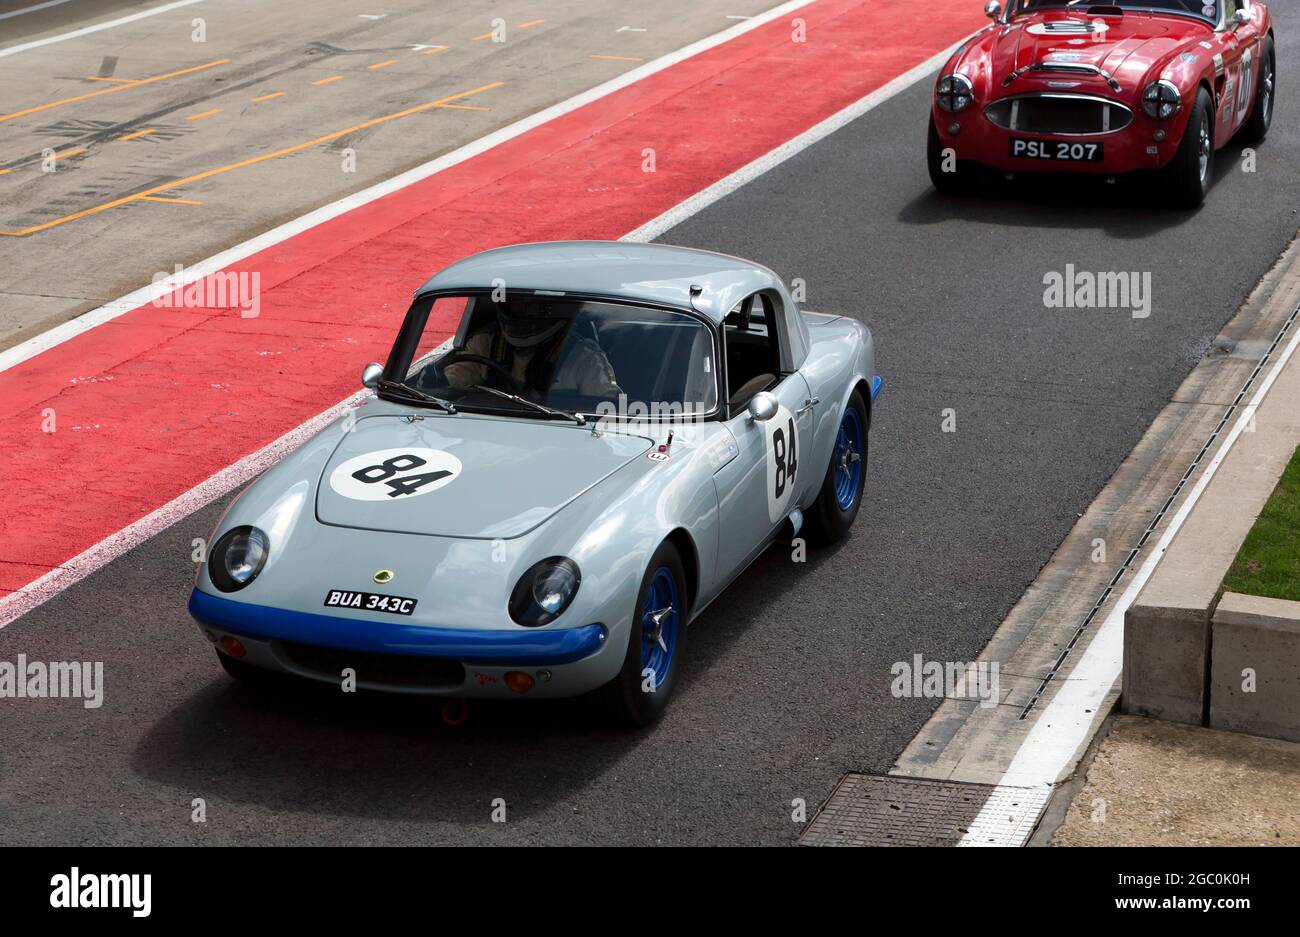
(411, 393)
(540, 408)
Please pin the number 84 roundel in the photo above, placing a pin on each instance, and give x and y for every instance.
(782, 447)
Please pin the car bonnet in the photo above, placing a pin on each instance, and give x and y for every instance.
(464, 475)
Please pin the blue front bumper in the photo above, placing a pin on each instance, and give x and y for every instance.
(525, 648)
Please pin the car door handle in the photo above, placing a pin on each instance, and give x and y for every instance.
(808, 405)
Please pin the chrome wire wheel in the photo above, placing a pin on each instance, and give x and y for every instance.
(1204, 150)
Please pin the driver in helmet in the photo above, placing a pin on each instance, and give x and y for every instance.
(535, 349)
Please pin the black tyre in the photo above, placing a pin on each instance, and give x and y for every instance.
(640, 693)
(1188, 175)
(832, 514)
(955, 182)
(1255, 129)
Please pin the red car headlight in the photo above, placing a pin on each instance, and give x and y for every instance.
(954, 93)
(1161, 99)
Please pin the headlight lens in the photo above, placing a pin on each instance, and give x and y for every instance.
(954, 93)
(545, 591)
(237, 558)
(1161, 99)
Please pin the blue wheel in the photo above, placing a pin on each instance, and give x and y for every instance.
(847, 460)
(830, 516)
(660, 617)
(641, 691)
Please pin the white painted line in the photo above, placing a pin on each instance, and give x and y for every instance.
(792, 147)
(1064, 725)
(51, 584)
(59, 334)
(87, 30)
(33, 9)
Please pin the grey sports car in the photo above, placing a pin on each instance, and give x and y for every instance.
(540, 505)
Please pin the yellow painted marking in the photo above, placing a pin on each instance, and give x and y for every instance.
(267, 97)
(138, 133)
(254, 160)
(325, 81)
(379, 65)
(3, 171)
(480, 38)
(530, 24)
(116, 81)
(215, 110)
(76, 150)
(618, 58)
(171, 201)
(112, 90)
(435, 50)
(463, 107)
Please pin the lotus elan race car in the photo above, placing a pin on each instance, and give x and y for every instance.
(539, 506)
(1113, 88)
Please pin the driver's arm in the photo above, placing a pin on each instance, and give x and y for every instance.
(468, 373)
(587, 370)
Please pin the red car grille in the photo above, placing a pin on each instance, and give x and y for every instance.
(1073, 115)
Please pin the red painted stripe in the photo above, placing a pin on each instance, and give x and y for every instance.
(156, 401)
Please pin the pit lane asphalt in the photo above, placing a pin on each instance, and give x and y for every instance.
(787, 680)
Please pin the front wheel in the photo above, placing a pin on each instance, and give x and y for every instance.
(1187, 177)
(641, 691)
(836, 507)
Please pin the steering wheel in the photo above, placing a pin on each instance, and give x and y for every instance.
(483, 360)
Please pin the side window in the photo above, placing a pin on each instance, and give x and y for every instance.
(753, 352)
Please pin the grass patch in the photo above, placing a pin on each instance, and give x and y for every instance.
(1269, 561)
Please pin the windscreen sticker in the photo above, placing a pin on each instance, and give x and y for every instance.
(783, 452)
(394, 474)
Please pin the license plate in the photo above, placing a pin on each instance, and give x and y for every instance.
(369, 602)
(1056, 150)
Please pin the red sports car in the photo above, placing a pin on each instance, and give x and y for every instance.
(1105, 89)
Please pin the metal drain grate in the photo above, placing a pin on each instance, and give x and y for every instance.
(891, 810)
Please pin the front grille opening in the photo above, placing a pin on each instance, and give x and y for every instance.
(388, 670)
(1059, 114)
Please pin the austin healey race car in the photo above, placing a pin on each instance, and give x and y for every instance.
(1105, 88)
(540, 505)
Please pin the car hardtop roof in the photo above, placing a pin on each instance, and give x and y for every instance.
(648, 273)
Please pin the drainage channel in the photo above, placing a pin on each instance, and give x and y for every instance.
(1129, 561)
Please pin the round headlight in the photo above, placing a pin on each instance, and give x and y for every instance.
(544, 591)
(237, 558)
(1161, 99)
(954, 93)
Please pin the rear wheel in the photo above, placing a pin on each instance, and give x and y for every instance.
(641, 691)
(837, 504)
(1256, 126)
(1187, 177)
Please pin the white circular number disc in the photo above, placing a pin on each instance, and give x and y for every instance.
(783, 454)
(394, 474)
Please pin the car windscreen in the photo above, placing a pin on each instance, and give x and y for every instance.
(1206, 9)
(593, 357)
